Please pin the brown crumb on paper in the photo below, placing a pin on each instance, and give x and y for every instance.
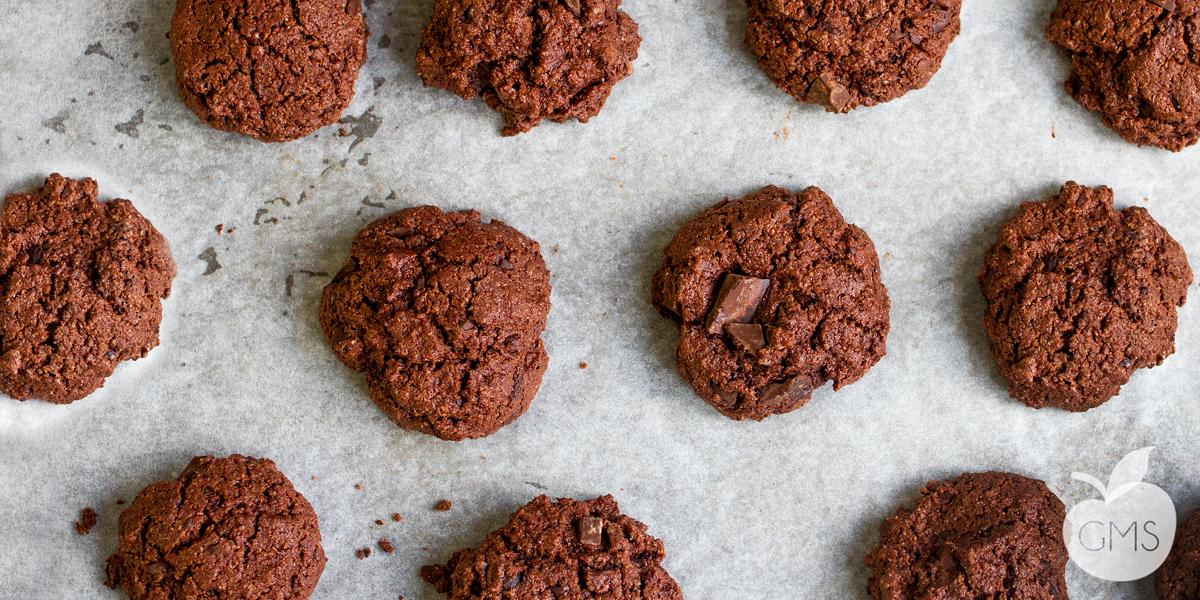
(443, 506)
(396, 517)
(386, 546)
(87, 520)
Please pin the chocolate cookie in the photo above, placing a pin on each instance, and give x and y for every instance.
(980, 535)
(1078, 296)
(227, 528)
(775, 294)
(82, 284)
(843, 55)
(562, 549)
(1179, 577)
(529, 59)
(443, 313)
(1134, 62)
(275, 70)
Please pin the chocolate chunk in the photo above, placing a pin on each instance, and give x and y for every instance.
(512, 583)
(191, 467)
(573, 6)
(1167, 4)
(557, 590)
(796, 389)
(506, 264)
(110, 355)
(591, 530)
(348, 268)
(400, 232)
(827, 92)
(747, 337)
(737, 301)
(35, 255)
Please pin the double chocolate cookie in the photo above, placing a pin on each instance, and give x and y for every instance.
(1179, 577)
(1135, 63)
(775, 294)
(980, 535)
(563, 549)
(1079, 295)
(82, 284)
(443, 313)
(529, 59)
(842, 55)
(226, 528)
(276, 70)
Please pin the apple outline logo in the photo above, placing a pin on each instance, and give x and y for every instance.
(1128, 532)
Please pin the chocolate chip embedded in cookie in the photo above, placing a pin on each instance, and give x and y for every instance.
(1132, 61)
(980, 535)
(82, 284)
(561, 549)
(529, 59)
(842, 55)
(1079, 295)
(443, 313)
(226, 528)
(1179, 577)
(775, 294)
(276, 70)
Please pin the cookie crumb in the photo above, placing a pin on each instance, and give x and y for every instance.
(357, 486)
(364, 553)
(220, 226)
(396, 517)
(378, 521)
(87, 520)
(386, 546)
(582, 365)
(443, 506)
(120, 501)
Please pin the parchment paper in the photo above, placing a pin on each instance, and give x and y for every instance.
(785, 508)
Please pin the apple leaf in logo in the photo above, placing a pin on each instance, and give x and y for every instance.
(1125, 476)
(1129, 472)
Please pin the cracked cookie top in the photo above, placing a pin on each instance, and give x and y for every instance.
(1078, 296)
(1137, 63)
(1179, 576)
(775, 294)
(560, 549)
(443, 313)
(276, 70)
(226, 528)
(82, 284)
(842, 54)
(980, 535)
(529, 59)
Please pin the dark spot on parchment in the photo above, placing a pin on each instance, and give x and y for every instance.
(379, 81)
(210, 256)
(365, 127)
(369, 3)
(144, 78)
(97, 48)
(303, 197)
(258, 215)
(164, 61)
(165, 127)
(384, 42)
(363, 161)
(57, 122)
(132, 26)
(366, 201)
(535, 484)
(391, 195)
(291, 279)
(129, 128)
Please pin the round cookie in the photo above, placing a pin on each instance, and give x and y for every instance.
(842, 54)
(1133, 62)
(82, 284)
(276, 70)
(1080, 295)
(529, 59)
(226, 528)
(1179, 576)
(443, 313)
(775, 294)
(980, 535)
(562, 549)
